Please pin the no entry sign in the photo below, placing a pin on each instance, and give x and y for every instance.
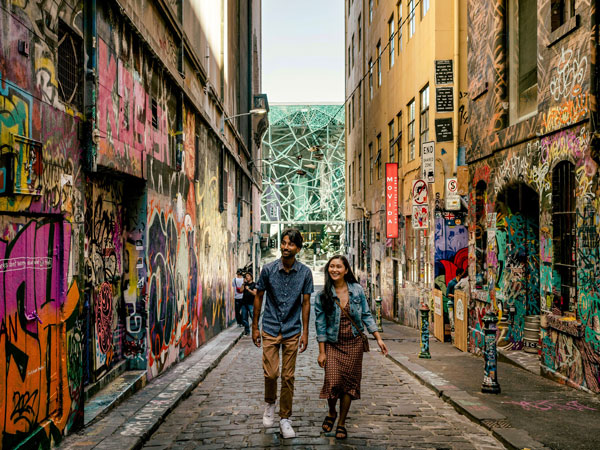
(419, 192)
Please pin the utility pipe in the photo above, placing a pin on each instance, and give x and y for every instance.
(456, 82)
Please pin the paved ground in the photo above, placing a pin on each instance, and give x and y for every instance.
(396, 411)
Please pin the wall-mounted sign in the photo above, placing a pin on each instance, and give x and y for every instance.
(452, 197)
(444, 99)
(443, 71)
(420, 217)
(419, 192)
(428, 161)
(443, 130)
(391, 200)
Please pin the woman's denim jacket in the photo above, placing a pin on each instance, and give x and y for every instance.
(328, 327)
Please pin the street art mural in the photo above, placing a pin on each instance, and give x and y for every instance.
(521, 249)
(451, 251)
(39, 386)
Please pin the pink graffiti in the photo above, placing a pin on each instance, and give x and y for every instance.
(125, 116)
(547, 405)
(104, 317)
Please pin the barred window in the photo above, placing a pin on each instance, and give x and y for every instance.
(411, 130)
(563, 224)
(70, 65)
(424, 122)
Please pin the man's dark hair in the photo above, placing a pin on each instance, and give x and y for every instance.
(240, 272)
(460, 272)
(294, 236)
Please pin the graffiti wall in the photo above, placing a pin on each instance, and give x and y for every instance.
(451, 251)
(519, 261)
(41, 229)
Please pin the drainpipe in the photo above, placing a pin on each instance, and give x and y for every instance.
(456, 82)
(91, 80)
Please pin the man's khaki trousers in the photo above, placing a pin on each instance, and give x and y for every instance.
(289, 350)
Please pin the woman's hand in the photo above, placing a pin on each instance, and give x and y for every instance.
(382, 346)
(322, 359)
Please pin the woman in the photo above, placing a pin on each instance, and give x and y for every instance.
(340, 343)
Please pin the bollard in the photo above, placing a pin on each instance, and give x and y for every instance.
(490, 375)
(378, 314)
(424, 332)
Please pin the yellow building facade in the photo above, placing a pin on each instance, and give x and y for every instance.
(406, 86)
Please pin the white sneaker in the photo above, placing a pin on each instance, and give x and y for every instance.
(285, 426)
(269, 414)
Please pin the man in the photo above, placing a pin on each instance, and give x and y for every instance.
(452, 285)
(238, 293)
(288, 284)
(248, 302)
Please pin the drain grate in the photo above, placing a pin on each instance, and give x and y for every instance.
(496, 423)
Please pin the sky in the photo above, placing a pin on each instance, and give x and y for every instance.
(303, 51)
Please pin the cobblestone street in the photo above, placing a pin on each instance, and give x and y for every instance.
(395, 411)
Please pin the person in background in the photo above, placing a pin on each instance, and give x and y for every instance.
(288, 284)
(452, 285)
(238, 288)
(248, 302)
(340, 310)
(463, 284)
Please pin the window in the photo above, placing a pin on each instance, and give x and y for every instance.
(70, 63)
(353, 50)
(411, 18)
(391, 138)
(359, 31)
(359, 169)
(399, 137)
(424, 7)
(391, 43)
(154, 107)
(411, 130)
(371, 79)
(424, 120)
(563, 224)
(522, 54)
(399, 9)
(378, 158)
(370, 11)
(379, 63)
(349, 67)
(352, 113)
(349, 178)
(360, 98)
(480, 235)
(370, 163)
(560, 12)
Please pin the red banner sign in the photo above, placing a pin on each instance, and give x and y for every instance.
(391, 200)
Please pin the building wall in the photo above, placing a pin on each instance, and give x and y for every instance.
(375, 256)
(520, 248)
(130, 210)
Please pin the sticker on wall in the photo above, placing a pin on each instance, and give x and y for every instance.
(420, 217)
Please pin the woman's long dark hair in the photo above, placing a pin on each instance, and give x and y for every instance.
(326, 297)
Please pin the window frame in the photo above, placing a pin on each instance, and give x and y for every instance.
(391, 139)
(411, 129)
(399, 32)
(371, 79)
(399, 138)
(424, 8)
(411, 18)
(423, 116)
(378, 50)
(379, 157)
(391, 44)
(370, 163)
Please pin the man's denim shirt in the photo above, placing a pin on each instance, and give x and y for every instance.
(328, 327)
(283, 292)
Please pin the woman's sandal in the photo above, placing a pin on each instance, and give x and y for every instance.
(328, 423)
(340, 432)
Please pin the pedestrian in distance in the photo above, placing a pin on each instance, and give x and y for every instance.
(238, 294)
(340, 310)
(248, 302)
(288, 284)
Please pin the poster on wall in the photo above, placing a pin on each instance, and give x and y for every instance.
(391, 200)
(420, 217)
(428, 161)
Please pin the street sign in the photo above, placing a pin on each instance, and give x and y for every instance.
(452, 197)
(391, 200)
(419, 192)
(428, 161)
(420, 217)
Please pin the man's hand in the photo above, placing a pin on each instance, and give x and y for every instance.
(256, 336)
(322, 359)
(303, 342)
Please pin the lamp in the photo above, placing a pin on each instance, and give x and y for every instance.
(255, 111)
